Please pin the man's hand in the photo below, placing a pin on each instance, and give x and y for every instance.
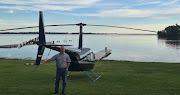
(46, 61)
(68, 64)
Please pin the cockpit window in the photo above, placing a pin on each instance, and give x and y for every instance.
(90, 57)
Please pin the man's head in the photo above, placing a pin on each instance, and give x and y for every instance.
(62, 49)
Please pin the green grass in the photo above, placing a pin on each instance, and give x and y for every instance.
(118, 78)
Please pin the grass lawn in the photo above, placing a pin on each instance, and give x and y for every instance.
(118, 78)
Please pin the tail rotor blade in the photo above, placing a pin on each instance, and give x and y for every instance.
(39, 54)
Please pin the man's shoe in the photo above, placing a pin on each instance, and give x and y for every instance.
(63, 94)
(55, 93)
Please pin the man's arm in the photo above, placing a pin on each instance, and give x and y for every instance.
(47, 61)
(68, 63)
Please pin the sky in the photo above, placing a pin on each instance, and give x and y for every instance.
(153, 15)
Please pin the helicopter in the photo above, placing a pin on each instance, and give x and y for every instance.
(82, 59)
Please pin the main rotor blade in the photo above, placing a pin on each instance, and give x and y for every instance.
(76, 24)
(38, 26)
(19, 28)
(120, 27)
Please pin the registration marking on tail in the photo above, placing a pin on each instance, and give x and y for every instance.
(40, 55)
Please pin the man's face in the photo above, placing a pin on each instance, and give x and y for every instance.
(62, 49)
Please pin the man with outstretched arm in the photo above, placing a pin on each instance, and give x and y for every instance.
(62, 64)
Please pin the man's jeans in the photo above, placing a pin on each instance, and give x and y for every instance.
(61, 73)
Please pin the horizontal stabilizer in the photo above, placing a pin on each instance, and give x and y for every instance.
(102, 54)
(30, 42)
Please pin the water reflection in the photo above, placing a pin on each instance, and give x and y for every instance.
(172, 42)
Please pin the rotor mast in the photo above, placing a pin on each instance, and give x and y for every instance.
(80, 34)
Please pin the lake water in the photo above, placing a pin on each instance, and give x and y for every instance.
(144, 48)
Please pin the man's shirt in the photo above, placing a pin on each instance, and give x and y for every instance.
(61, 60)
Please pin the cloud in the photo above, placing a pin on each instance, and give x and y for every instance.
(134, 13)
(17, 7)
(28, 2)
(10, 11)
(171, 2)
(8, 24)
(121, 13)
(126, 13)
(37, 5)
(55, 7)
(149, 3)
(2, 24)
(42, 7)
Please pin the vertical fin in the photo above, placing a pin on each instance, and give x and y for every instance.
(42, 39)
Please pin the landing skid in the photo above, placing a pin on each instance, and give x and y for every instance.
(69, 72)
(93, 80)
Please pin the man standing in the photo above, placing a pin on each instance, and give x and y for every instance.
(62, 64)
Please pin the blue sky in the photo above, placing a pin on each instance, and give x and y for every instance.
(144, 14)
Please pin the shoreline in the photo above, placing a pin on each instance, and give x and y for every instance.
(97, 60)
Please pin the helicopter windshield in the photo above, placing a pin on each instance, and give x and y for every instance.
(89, 57)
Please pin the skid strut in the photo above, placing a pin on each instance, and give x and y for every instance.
(93, 80)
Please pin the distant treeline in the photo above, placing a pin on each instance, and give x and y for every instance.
(31, 33)
(48, 33)
(70, 33)
(170, 31)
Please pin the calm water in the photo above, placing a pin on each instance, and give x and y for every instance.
(146, 48)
